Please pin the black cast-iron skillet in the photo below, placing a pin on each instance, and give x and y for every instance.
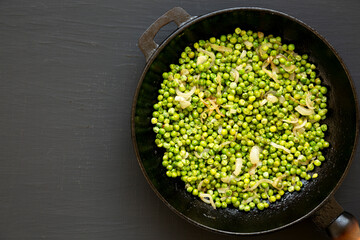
(316, 196)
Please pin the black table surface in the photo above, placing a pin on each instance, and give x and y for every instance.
(68, 73)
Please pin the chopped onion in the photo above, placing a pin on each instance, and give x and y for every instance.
(200, 185)
(235, 74)
(210, 54)
(183, 102)
(219, 130)
(303, 75)
(304, 111)
(309, 103)
(298, 128)
(238, 166)
(281, 99)
(243, 54)
(248, 44)
(280, 147)
(220, 48)
(271, 74)
(248, 68)
(225, 143)
(264, 180)
(252, 169)
(201, 59)
(205, 197)
(187, 95)
(241, 66)
(227, 179)
(218, 80)
(301, 157)
(184, 71)
(260, 34)
(197, 154)
(250, 199)
(222, 190)
(216, 107)
(255, 154)
(263, 102)
(232, 110)
(271, 98)
(274, 68)
(281, 56)
(289, 69)
(293, 121)
(276, 181)
(292, 76)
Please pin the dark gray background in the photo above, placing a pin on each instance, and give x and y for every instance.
(68, 72)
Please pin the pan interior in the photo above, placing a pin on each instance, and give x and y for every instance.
(341, 120)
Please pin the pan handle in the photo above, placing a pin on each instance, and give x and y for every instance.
(344, 227)
(339, 224)
(146, 42)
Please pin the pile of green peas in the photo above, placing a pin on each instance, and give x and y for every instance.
(225, 116)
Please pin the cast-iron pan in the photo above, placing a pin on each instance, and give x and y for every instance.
(316, 196)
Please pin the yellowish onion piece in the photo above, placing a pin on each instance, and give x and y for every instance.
(304, 111)
(187, 95)
(197, 154)
(225, 179)
(260, 34)
(292, 121)
(275, 145)
(232, 111)
(243, 54)
(222, 190)
(271, 98)
(263, 102)
(250, 199)
(219, 48)
(289, 69)
(225, 143)
(200, 185)
(238, 166)
(255, 154)
(292, 76)
(241, 66)
(277, 180)
(281, 99)
(248, 68)
(205, 197)
(210, 54)
(281, 56)
(219, 129)
(309, 103)
(271, 74)
(218, 80)
(303, 74)
(248, 44)
(183, 102)
(253, 169)
(201, 59)
(235, 74)
(298, 128)
(274, 68)
(184, 71)
(216, 107)
(264, 180)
